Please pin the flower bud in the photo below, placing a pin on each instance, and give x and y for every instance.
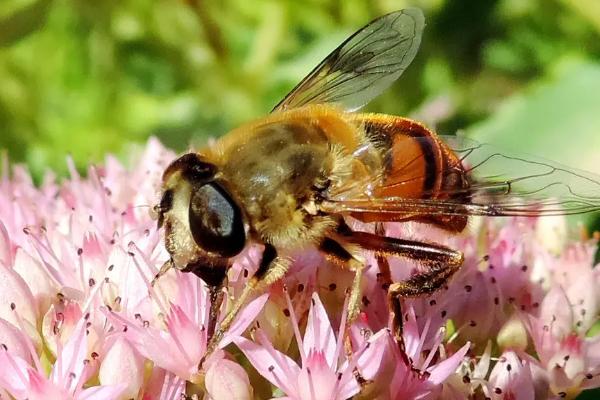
(226, 379)
(513, 335)
(123, 365)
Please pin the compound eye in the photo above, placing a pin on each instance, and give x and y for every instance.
(216, 220)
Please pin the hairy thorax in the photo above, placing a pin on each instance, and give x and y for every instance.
(276, 175)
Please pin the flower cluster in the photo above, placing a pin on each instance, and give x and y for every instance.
(80, 319)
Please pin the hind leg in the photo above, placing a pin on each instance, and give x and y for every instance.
(440, 264)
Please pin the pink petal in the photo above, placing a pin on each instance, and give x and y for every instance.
(161, 347)
(14, 291)
(41, 389)
(317, 381)
(59, 322)
(319, 334)
(556, 312)
(244, 319)
(413, 339)
(348, 387)
(560, 382)
(189, 338)
(14, 374)
(513, 377)
(23, 382)
(6, 247)
(276, 367)
(14, 340)
(154, 384)
(37, 279)
(173, 388)
(226, 379)
(582, 296)
(191, 294)
(370, 360)
(442, 370)
(69, 366)
(574, 357)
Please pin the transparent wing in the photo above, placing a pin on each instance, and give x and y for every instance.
(364, 65)
(501, 184)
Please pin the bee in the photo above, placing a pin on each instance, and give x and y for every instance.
(294, 179)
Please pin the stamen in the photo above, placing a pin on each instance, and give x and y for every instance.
(166, 386)
(434, 349)
(152, 292)
(281, 384)
(310, 383)
(28, 341)
(52, 272)
(422, 337)
(340, 339)
(296, 328)
(81, 269)
(16, 368)
(77, 344)
(278, 357)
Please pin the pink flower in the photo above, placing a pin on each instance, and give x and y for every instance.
(181, 346)
(71, 370)
(511, 379)
(323, 374)
(79, 318)
(428, 366)
(570, 359)
(496, 280)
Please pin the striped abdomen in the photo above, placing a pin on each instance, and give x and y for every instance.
(417, 164)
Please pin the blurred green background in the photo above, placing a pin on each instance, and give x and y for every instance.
(87, 77)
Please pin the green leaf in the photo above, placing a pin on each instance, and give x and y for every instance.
(557, 119)
(23, 22)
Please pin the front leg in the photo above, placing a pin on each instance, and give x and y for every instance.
(214, 274)
(271, 269)
(215, 277)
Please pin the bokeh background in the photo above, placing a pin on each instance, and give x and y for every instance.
(87, 77)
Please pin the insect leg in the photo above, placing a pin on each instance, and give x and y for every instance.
(215, 284)
(384, 277)
(163, 270)
(214, 274)
(271, 269)
(440, 262)
(216, 295)
(336, 253)
(423, 283)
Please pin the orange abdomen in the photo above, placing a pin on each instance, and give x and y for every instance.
(417, 164)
